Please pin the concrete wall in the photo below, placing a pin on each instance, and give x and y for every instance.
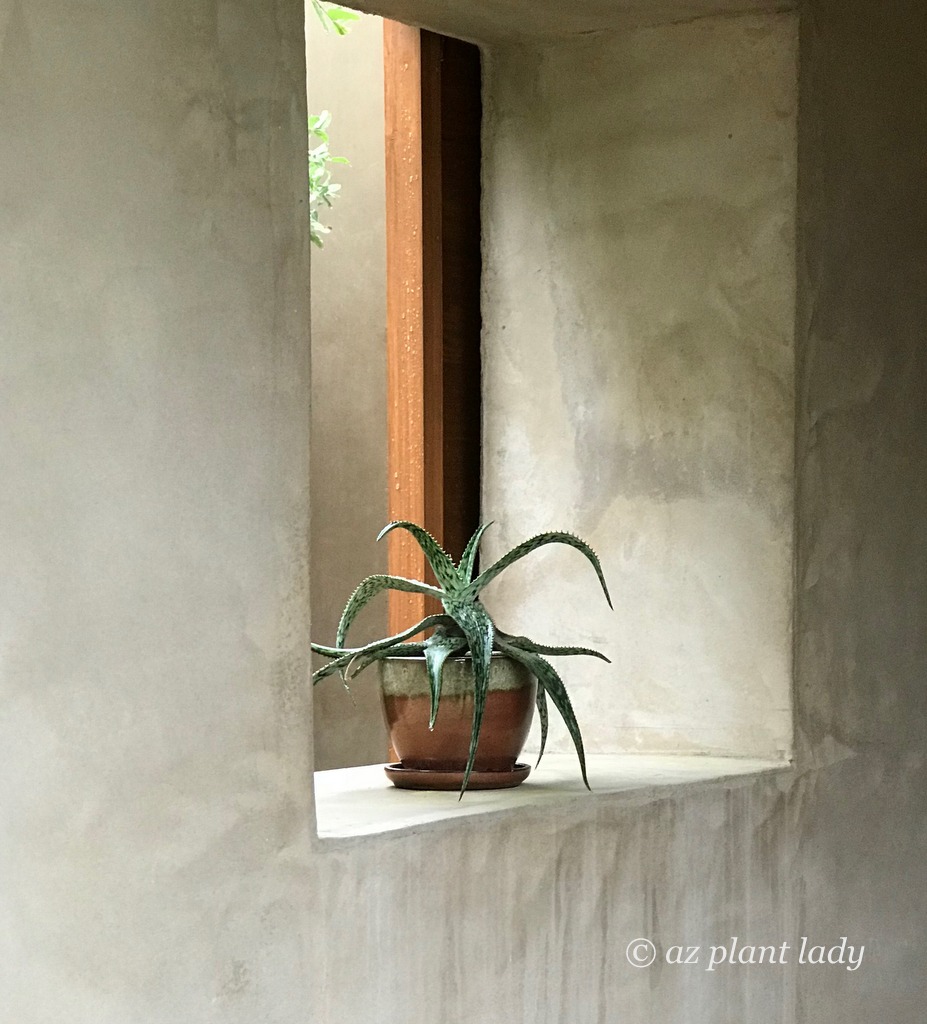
(638, 371)
(154, 419)
(861, 646)
(156, 857)
(348, 450)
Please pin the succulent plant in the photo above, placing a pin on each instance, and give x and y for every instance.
(465, 626)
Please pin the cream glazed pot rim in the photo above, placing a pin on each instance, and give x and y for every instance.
(505, 674)
(453, 657)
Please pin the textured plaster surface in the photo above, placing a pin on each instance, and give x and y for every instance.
(638, 372)
(861, 645)
(153, 512)
(348, 448)
(862, 415)
(362, 802)
(501, 21)
(155, 855)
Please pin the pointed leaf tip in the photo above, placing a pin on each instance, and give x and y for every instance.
(532, 544)
(468, 559)
(441, 563)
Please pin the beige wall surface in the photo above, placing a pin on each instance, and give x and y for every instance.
(154, 433)
(156, 858)
(638, 372)
(348, 448)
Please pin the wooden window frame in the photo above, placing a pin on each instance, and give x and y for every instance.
(432, 118)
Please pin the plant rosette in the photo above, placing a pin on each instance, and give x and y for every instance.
(462, 668)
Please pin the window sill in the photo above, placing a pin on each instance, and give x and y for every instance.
(355, 802)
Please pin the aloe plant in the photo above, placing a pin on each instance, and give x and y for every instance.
(465, 626)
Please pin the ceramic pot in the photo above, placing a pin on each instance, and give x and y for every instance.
(436, 759)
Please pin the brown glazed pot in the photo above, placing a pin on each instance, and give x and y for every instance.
(427, 754)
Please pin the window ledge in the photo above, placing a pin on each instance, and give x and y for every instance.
(355, 802)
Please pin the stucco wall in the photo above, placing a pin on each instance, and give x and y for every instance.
(154, 432)
(638, 371)
(861, 645)
(348, 448)
(156, 858)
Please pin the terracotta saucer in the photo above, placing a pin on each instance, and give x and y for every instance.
(423, 778)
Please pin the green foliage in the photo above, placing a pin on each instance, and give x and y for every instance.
(465, 627)
(334, 19)
(322, 190)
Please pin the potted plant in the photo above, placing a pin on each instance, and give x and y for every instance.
(484, 681)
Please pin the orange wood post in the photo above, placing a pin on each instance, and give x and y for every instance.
(413, 304)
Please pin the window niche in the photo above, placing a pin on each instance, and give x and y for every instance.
(638, 370)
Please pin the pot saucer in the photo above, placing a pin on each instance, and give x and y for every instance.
(425, 778)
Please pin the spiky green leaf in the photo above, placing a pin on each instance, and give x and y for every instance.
(470, 551)
(410, 650)
(505, 644)
(441, 563)
(479, 630)
(340, 660)
(532, 544)
(549, 679)
(368, 589)
(438, 648)
(525, 644)
(541, 702)
(344, 656)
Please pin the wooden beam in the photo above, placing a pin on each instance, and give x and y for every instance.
(432, 114)
(411, 375)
